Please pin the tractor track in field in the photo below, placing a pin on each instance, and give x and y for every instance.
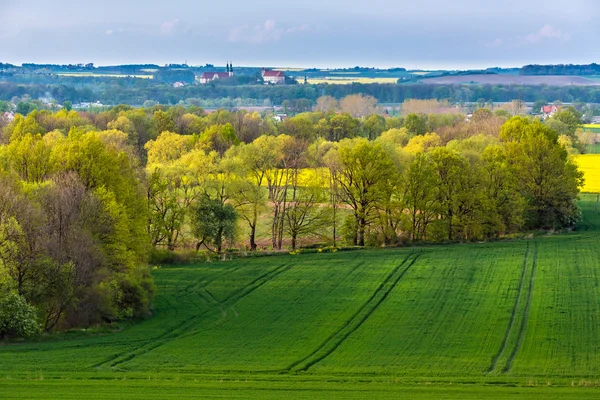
(515, 312)
(334, 340)
(525, 313)
(185, 325)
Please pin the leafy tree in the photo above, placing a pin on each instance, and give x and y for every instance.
(420, 196)
(373, 126)
(213, 222)
(342, 126)
(547, 178)
(361, 169)
(163, 121)
(416, 124)
(24, 108)
(537, 106)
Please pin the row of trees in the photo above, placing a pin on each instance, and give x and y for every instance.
(136, 91)
(383, 191)
(84, 197)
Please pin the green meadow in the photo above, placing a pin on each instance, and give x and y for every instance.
(508, 319)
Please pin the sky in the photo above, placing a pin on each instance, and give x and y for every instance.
(432, 34)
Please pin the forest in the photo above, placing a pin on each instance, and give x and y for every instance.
(135, 91)
(88, 199)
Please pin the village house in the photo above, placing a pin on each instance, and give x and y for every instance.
(548, 111)
(273, 77)
(178, 84)
(8, 116)
(211, 76)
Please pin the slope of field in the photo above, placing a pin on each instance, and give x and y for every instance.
(589, 164)
(499, 320)
(492, 79)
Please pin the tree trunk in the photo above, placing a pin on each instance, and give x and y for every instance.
(253, 237)
(361, 231)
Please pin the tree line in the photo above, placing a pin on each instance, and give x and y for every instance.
(135, 91)
(87, 198)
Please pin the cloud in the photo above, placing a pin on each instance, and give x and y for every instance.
(267, 32)
(168, 27)
(546, 32)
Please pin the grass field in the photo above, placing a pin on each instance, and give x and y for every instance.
(512, 319)
(590, 165)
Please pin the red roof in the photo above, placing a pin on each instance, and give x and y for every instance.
(212, 75)
(275, 74)
(550, 109)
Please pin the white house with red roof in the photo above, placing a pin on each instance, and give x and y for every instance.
(548, 111)
(273, 77)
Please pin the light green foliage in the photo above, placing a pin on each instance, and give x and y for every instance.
(416, 124)
(363, 170)
(547, 178)
(17, 318)
(163, 122)
(373, 127)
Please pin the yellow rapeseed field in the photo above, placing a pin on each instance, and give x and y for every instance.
(590, 165)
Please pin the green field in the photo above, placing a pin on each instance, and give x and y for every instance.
(96, 75)
(512, 319)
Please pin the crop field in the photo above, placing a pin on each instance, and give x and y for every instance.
(346, 80)
(510, 319)
(592, 128)
(590, 165)
(95, 75)
(497, 79)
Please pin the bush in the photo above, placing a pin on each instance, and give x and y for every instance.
(17, 318)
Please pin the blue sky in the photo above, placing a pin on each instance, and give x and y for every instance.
(336, 33)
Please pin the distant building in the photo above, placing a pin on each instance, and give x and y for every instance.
(273, 77)
(8, 116)
(548, 111)
(279, 117)
(178, 84)
(211, 76)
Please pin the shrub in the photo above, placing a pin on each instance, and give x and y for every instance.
(17, 318)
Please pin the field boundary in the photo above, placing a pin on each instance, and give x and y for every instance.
(334, 340)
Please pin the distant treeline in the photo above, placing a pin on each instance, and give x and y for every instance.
(561, 69)
(137, 91)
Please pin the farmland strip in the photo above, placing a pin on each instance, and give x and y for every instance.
(525, 314)
(354, 322)
(513, 315)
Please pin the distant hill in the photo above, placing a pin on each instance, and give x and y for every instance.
(561, 69)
